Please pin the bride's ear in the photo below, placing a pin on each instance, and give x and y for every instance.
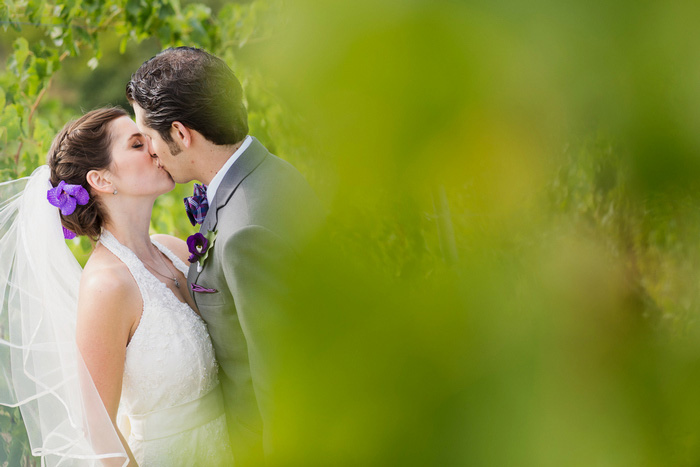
(99, 182)
(181, 133)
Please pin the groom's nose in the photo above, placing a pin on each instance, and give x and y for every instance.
(150, 148)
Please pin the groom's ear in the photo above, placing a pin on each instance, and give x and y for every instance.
(98, 180)
(181, 133)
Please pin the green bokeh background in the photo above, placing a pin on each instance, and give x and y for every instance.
(509, 275)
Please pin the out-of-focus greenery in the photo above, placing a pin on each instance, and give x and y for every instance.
(509, 272)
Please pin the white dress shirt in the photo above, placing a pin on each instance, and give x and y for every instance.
(216, 181)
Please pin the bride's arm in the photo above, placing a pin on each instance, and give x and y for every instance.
(109, 307)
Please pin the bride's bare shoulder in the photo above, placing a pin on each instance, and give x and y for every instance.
(107, 278)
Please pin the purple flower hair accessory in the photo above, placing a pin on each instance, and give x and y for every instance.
(68, 234)
(66, 197)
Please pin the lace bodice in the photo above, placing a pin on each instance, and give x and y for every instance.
(170, 359)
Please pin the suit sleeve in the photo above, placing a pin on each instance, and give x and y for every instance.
(256, 268)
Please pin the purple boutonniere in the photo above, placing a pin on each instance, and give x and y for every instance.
(199, 246)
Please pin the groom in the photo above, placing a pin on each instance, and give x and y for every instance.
(261, 211)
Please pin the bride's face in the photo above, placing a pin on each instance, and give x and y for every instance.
(133, 170)
(168, 154)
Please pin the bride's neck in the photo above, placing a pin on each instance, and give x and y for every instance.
(130, 226)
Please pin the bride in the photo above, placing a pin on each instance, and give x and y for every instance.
(118, 367)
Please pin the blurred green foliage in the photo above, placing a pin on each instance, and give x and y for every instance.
(509, 274)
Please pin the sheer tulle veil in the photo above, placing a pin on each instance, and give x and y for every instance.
(41, 370)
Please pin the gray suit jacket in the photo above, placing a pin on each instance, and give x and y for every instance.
(263, 212)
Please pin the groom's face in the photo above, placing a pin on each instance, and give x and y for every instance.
(166, 153)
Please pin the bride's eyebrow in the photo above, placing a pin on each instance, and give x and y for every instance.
(135, 135)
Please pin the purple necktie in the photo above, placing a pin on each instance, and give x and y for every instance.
(197, 205)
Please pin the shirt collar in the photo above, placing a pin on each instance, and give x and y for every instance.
(216, 181)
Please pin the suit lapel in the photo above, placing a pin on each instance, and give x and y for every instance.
(244, 166)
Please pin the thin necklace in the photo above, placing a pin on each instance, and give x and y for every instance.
(174, 279)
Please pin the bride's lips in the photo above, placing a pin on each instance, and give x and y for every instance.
(160, 167)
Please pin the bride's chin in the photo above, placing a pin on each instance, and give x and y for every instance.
(170, 187)
(170, 177)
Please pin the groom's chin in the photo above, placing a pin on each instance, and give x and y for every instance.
(181, 180)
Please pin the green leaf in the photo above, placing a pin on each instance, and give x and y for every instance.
(11, 121)
(210, 236)
(122, 44)
(21, 47)
(133, 8)
(40, 67)
(4, 14)
(34, 81)
(166, 11)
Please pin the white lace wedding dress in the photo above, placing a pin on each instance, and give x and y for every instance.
(171, 409)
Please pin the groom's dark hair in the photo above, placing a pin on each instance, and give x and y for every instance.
(192, 87)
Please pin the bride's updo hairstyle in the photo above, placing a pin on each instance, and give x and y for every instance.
(83, 145)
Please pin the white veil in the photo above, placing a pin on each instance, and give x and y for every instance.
(41, 370)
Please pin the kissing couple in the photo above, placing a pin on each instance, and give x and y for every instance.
(160, 352)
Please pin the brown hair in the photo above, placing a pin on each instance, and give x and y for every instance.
(193, 87)
(83, 145)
